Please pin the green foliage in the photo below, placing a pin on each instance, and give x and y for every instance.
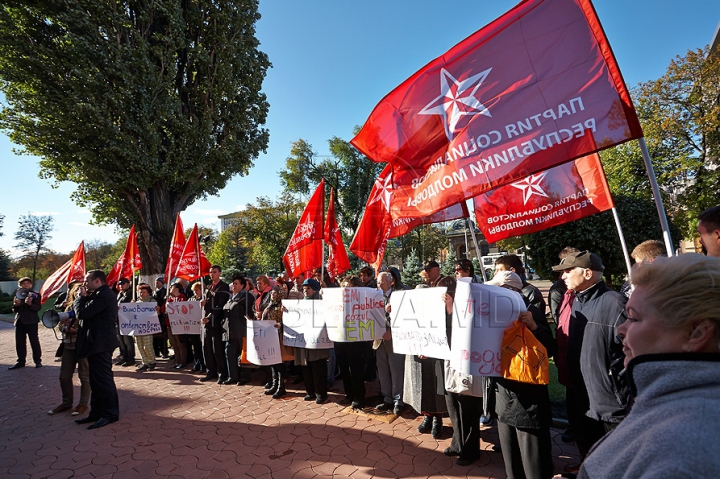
(448, 266)
(228, 251)
(146, 106)
(598, 234)
(32, 237)
(410, 274)
(680, 116)
(428, 240)
(101, 254)
(5, 263)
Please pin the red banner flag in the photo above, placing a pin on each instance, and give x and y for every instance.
(128, 262)
(192, 264)
(304, 253)
(535, 88)
(338, 261)
(176, 249)
(559, 195)
(377, 224)
(72, 270)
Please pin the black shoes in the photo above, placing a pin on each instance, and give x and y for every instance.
(426, 425)
(386, 406)
(230, 381)
(17, 366)
(465, 461)
(243, 382)
(437, 428)
(221, 380)
(208, 378)
(345, 401)
(308, 398)
(279, 393)
(451, 452)
(567, 436)
(321, 399)
(103, 421)
(268, 385)
(38, 364)
(86, 420)
(358, 404)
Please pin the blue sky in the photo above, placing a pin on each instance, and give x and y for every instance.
(332, 62)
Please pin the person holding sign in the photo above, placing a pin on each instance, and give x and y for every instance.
(274, 312)
(177, 341)
(390, 365)
(145, 342)
(313, 361)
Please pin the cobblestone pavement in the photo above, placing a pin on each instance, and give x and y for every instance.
(171, 425)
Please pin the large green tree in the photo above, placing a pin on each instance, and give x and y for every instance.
(680, 115)
(32, 238)
(146, 106)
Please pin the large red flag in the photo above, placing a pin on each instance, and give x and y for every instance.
(535, 88)
(128, 262)
(192, 264)
(559, 195)
(176, 249)
(304, 253)
(377, 224)
(72, 270)
(338, 261)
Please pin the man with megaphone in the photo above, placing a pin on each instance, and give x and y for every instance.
(26, 305)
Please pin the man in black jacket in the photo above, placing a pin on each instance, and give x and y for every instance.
(97, 313)
(235, 311)
(26, 324)
(594, 351)
(216, 295)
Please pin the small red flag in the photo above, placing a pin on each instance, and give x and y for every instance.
(193, 264)
(72, 270)
(304, 253)
(338, 261)
(128, 262)
(77, 267)
(176, 249)
(535, 88)
(559, 195)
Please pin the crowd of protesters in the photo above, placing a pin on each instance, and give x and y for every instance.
(641, 374)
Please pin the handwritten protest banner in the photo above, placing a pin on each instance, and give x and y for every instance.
(481, 315)
(417, 319)
(263, 343)
(184, 317)
(303, 324)
(354, 314)
(138, 319)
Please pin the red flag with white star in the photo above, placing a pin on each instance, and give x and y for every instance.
(128, 262)
(337, 262)
(535, 88)
(304, 252)
(377, 225)
(553, 197)
(176, 249)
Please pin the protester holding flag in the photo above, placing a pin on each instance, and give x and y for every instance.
(313, 361)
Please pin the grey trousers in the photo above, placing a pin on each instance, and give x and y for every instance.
(391, 371)
(527, 452)
(67, 369)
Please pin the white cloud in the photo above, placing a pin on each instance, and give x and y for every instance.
(240, 208)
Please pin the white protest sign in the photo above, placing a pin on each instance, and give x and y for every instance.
(481, 314)
(303, 324)
(417, 320)
(263, 343)
(354, 314)
(184, 316)
(138, 319)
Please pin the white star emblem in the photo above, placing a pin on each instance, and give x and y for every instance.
(531, 186)
(383, 191)
(457, 99)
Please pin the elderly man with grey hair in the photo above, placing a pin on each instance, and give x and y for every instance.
(390, 365)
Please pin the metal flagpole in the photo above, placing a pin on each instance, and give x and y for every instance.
(322, 264)
(477, 249)
(658, 198)
(622, 240)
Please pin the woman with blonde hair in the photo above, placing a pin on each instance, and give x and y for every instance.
(671, 343)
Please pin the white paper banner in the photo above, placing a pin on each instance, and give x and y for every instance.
(138, 319)
(263, 343)
(184, 316)
(480, 317)
(354, 314)
(303, 324)
(417, 319)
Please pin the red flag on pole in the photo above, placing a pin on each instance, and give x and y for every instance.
(535, 88)
(128, 262)
(304, 253)
(176, 249)
(377, 225)
(72, 270)
(192, 264)
(559, 195)
(338, 261)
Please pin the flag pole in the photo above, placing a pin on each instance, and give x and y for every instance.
(477, 248)
(322, 264)
(622, 240)
(656, 194)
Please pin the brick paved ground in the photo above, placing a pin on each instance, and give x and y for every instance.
(173, 426)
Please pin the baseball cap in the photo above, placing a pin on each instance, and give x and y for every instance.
(431, 264)
(123, 281)
(581, 259)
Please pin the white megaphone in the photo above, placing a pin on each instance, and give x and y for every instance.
(51, 318)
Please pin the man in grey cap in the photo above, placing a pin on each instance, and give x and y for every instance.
(599, 396)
